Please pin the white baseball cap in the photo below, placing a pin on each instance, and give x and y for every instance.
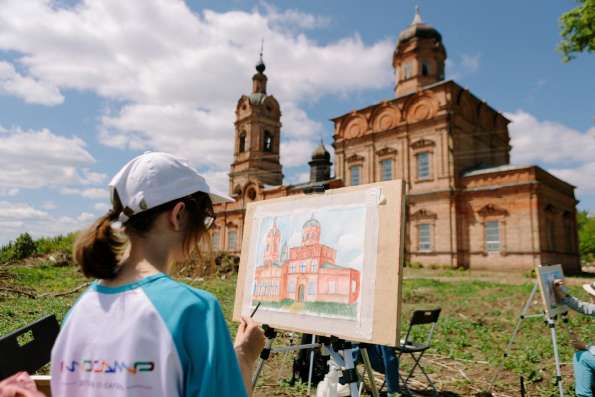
(155, 178)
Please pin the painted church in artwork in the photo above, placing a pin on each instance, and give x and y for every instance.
(306, 273)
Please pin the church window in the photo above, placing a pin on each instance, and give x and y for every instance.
(355, 175)
(242, 142)
(551, 240)
(387, 169)
(331, 287)
(425, 68)
(292, 268)
(423, 165)
(268, 141)
(311, 288)
(314, 267)
(291, 286)
(424, 241)
(492, 236)
(407, 71)
(353, 286)
(232, 240)
(303, 268)
(215, 241)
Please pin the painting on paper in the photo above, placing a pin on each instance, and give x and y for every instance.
(311, 262)
(546, 277)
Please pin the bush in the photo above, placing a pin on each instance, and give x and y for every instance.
(24, 246)
(58, 244)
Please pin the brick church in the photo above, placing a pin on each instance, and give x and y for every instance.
(467, 205)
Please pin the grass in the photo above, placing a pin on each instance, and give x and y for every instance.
(478, 315)
(330, 308)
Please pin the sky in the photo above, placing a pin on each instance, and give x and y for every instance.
(346, 237)
(87, 85)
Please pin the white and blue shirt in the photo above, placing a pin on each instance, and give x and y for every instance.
(154, 337)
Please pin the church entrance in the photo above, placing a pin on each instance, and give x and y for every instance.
(300, 294)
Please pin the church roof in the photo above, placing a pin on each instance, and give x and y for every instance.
(312, 222)
(257, 98)
(500, 168)
(321, 153)
(419, 29)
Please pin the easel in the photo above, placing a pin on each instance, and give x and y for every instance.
(551, 323)
(340, 351)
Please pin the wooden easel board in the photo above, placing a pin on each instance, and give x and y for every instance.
(545, 278)
(326, 263)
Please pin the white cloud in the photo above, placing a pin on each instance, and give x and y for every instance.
(296, 152)
(90, 193)
(175, 88)
(48, 205)
(34, 159)
(551, 142)
(102, 207)
(460, 67)
(564, 151)
(27, 88)
(17, 218)
(8, 192)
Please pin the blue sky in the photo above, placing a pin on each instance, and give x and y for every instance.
(85, 86)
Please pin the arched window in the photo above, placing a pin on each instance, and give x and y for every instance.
(407, 71)
(425, 68)
(242, 142)
(268, 141)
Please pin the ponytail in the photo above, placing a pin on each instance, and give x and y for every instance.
(97, 248)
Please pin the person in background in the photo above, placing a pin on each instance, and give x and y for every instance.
(584, 358)
(136, 331)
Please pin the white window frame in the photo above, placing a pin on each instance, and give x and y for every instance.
(358, 174)
(424, 246)
(428, 167)
(491, 244)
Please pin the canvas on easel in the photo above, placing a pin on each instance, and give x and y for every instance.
(546, 275)
(326, 264)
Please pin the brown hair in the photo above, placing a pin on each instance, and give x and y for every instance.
(97, 250)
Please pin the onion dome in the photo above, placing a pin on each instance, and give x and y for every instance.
(419, 29)
(320, 153)
(312, 222)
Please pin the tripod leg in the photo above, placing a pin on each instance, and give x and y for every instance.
(517, 326)
(368, 368)
(311, 365)
(552, 326)
(350, 366)
(270, 334)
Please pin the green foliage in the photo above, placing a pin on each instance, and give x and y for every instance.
(578, 30)
(586, 236)
(48, 245)
(24, 246)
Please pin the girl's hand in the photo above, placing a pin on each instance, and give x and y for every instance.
(249, 340)
(558, 284)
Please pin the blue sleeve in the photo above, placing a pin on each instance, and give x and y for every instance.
(202, 339)
(585, 308)
(223, 376)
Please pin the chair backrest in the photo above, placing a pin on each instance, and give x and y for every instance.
(422, 317)
(29, 348)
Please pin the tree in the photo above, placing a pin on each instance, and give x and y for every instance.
(24, 246)
(586, 236)
(578, 30)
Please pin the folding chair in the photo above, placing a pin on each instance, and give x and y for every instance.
(29, 348)
(417, 349)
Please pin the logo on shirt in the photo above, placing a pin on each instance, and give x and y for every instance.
(107, 366)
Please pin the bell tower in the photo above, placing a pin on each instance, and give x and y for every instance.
(257, 140)
(419, 58)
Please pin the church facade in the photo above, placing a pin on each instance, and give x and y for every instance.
(306, 273)
(467, 206)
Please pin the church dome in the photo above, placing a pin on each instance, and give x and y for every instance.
(419, 29)
(321, 153)
(312, 222)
